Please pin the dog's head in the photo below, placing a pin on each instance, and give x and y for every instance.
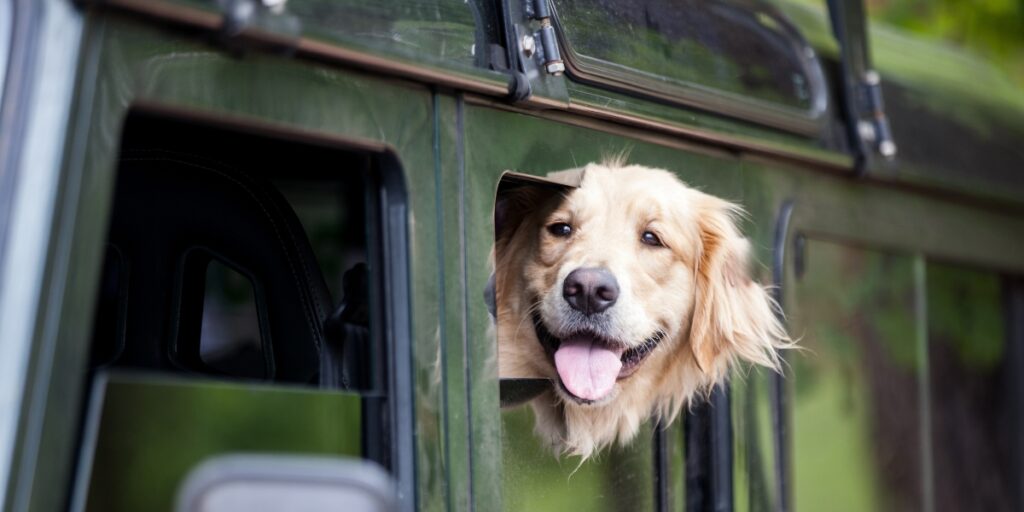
(631, 293)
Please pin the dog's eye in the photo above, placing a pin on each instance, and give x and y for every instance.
(650, 239)
(560, 229)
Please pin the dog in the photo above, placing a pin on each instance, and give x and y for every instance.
(631, 293)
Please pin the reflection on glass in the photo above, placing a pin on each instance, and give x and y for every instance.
(856, 429)
(971, 398)
(745, 48)
(890, 418)
(618, 478)
(993, 31)
(230, 341)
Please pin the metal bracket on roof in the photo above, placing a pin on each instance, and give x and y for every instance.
(264, 24)
(548, 51)
(513, 63)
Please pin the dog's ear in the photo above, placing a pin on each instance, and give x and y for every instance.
(733, 317)
(514, 204)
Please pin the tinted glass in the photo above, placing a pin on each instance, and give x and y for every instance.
(743, 49)
(952, 71)
(989, 30)
(857, 383)
(197, 242)
(907, 395)
(811, 17)
(972, 395)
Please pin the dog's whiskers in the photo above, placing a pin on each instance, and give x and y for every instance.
(534, 307)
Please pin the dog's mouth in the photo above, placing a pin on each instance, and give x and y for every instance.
(590, 364)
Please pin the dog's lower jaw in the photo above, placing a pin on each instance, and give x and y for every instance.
(571, 429)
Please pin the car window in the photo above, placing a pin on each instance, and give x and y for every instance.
(215, 243)
(720, 53)
(972, 406)
(857, 397)
(217, 328)
(900, 399)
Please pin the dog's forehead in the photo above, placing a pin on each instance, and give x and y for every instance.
(627, 189)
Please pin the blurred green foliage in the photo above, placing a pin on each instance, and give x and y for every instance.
(993, 29)
(964, 312)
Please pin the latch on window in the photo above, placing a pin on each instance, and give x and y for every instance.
(873, 125)
(867, 125)
(547, 52)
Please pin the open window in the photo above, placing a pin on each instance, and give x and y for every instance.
(242, 307)
(686, 465)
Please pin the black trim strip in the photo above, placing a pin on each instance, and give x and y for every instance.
(721, 449)
(777, 384)
(709, 462)
(662, 476)
(398, 304)
(1013, 289)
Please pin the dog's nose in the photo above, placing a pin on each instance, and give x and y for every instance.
(590, 290)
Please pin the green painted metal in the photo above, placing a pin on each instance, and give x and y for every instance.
(452, 364)
(453, 151)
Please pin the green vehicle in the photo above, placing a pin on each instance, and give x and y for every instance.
(244, 246)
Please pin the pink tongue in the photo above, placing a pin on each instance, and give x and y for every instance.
(587, 369)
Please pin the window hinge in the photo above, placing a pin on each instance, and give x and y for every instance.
(872, 124)
(547, 52)
(867, 127)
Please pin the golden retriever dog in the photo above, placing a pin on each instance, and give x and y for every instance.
(631, 293)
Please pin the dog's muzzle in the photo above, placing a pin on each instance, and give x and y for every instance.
(589, 364)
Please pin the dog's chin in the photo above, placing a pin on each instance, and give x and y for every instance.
(590, 365)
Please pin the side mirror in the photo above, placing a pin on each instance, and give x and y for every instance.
(267, 483)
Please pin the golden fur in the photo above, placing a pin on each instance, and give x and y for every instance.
(695, 289)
